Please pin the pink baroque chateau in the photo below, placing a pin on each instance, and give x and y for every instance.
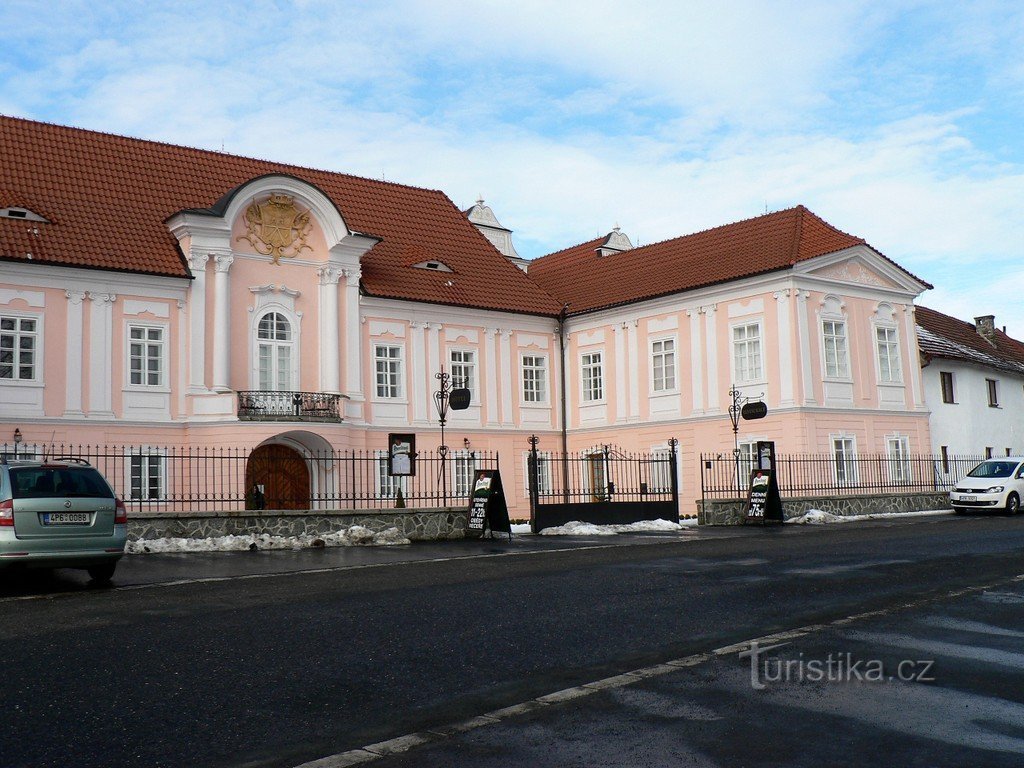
(155, 295)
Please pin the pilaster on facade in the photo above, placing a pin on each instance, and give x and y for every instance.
(433, 355)
(696, 360)
(504, 375)
(419, 386)
(222, 323)
(711, 335)
(913, 356)
(182, 339)
(620, 373)
(197, 322)
(633, 355)
(785, 348)
(101, 351)
(353, 343)
(804, 333)
(73, 384)
(330, 322)
(491, 377)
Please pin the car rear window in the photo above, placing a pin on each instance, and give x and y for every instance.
(43, 482)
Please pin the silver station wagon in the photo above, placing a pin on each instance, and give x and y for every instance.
(60, 513)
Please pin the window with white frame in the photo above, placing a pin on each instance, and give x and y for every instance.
(898, 447)
(746, 352)
(388, 486)
(463, 365)
(463, 468)
(660, 479)
(747, 460)
(387, 363)
(535, 377)
(663, 365)
(593, 377)
(837, 359)
(844, 453)
(543, 472)
(19, 346)
(887, 346)
(146, 357)
(146, 479)
(275, 352)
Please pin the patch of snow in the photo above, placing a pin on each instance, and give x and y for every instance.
(818, 517)
(521, 528)
(354, 536)
(576, 528)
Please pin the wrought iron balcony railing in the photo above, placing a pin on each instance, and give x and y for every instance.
(262, 405)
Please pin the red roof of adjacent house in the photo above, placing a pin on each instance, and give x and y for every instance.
(588, 281)
(106, 199)
(940, 335)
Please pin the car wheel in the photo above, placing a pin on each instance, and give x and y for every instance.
(102, 573)
(1012, 504)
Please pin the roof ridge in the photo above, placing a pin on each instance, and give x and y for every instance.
(798, 231)
(215, 153)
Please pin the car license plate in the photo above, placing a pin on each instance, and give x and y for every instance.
(968, 498)
(66, 518)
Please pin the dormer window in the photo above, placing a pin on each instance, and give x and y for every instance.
(24, 214)
(434, 266)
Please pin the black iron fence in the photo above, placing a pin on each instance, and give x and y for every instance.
(260, 405)
(197, 479)
(723, 477)
(605, 485)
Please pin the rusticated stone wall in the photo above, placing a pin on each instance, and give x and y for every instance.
(416, 524)
(730, 511)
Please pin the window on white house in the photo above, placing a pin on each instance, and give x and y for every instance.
(145, 356)
(463, 468)
(746, 352)
(948, 390)
(275, 351)
(535, 377)
(993, 392)
(147, 477)
(543, 472)
(19, 343)
(899, 459)
(888, 355)
(663, 362)
(593, 377)
(463, 364)
(387, 362)
(837, 363)
(845, 453)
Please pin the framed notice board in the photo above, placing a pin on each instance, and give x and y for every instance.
(764, 504)
(487, 507)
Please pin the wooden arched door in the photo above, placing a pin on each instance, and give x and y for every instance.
(283, 474)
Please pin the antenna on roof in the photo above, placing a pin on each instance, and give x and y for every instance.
(766, 206)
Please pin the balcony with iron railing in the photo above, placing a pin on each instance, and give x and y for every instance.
(267, 405)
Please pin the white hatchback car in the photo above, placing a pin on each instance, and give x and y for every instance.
(996, 484)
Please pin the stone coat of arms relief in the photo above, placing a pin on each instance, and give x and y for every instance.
(277, 228)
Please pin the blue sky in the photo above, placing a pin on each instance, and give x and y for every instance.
(896, 121)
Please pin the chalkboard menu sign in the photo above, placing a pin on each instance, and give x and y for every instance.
(764, 504)
(487, 507)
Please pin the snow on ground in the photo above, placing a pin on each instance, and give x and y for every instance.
(576, 528)
(818, 517)
(356, 535)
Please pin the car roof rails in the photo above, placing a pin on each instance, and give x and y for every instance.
(75, 459)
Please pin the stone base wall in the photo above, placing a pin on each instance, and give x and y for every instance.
(730, 511)
(430, 524)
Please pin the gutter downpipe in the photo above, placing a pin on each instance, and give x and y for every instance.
(565, 435)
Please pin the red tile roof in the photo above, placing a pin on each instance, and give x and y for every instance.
(107, 197)
(587, 281)
(942, 336)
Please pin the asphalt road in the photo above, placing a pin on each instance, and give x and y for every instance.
(276, 659)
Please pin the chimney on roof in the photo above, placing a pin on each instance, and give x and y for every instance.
(986, 328)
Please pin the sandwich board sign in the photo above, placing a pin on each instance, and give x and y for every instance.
(487, 507)
(764, 504)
